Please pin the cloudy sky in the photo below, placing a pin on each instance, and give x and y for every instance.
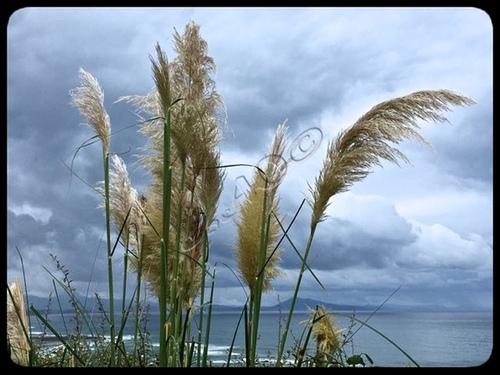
(426, 226)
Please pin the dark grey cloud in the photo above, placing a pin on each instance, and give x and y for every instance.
(470, 155)
(342, 244)
(288, 89)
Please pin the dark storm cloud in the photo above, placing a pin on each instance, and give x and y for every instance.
(299, 87)
(466, 159)
(351, 246)
(341, 243)
(25, 231)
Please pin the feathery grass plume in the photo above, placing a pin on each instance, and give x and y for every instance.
(124, 204)
(162, 79)
(196, 119)
(210, 184)
(17, 325)
(258, 231)
(192, 51)
(249, 222)
(89, 99)
(355, 150)
(325, 332)
(195, 131)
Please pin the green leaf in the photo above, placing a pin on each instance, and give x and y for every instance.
(356, 360)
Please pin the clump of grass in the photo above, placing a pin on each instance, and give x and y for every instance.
(326, 333)
(183, 160)
(322, 328)
(83, 337)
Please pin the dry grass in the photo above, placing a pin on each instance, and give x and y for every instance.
(325, 330)
(17, 325)
(353, 153)
(186, 94)
(261, 203)
(89, 99)
(125, 204)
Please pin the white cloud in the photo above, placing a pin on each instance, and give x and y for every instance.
(40, 214)
(447, 206)
(439, 247)
(373, 213)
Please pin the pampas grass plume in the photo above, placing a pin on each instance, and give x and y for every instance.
(352, 154)
(89, 99)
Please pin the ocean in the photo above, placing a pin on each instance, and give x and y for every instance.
(439, 339)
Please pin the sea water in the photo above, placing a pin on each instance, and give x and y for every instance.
(390, 339)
